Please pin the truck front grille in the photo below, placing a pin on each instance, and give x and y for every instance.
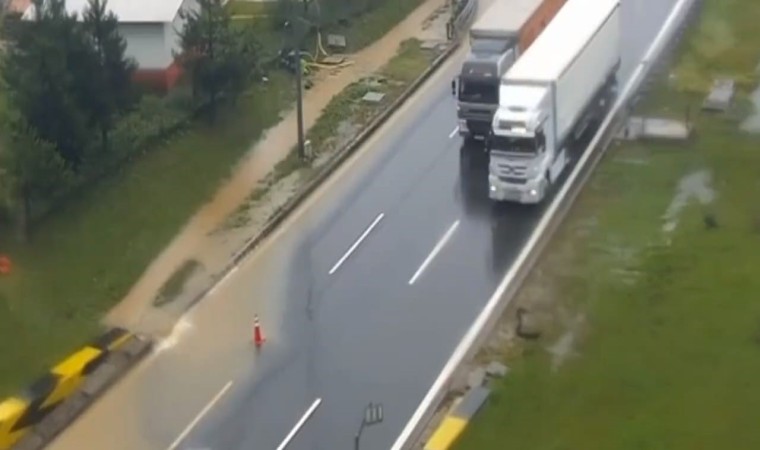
(513, 180)
(504, 170)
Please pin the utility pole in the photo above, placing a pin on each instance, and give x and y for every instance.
(299, 85)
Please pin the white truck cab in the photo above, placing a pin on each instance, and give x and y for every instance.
(524, 160)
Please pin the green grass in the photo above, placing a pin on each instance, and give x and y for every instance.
(176, 282)
(85, 257)
(408, 63)
(359, 31)
(368, 28)
(670, 351)
(244, 8)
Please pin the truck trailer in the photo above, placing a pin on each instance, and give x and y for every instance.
(563, 84)
(505, 30)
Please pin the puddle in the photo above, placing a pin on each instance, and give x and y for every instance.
(697, 186)
(565, 346)
(752, 123)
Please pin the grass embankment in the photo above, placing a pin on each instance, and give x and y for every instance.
(85, 257)
(346, 111)
(670, 351)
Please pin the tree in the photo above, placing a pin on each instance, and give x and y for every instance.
(111, 81)
(33, 167)
(218, 57)
(44, 72)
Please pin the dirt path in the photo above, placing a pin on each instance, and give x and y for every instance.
(197, 240)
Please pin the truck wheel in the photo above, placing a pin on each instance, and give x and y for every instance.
(547, 183)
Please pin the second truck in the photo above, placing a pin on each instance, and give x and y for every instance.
(504, 31)
(563, 84)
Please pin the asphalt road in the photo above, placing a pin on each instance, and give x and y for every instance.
(363, 296)
(364, 333)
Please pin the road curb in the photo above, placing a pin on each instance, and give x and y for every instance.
(457, 419)
(36, 416)
(324, 172)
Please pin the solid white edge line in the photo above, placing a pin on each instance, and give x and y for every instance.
(454, 133)
(200, 416)
(433, 253)
(309, 412)
(470, 337)
(224, 278)
(356, 244)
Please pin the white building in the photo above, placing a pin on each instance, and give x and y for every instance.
(150, 28)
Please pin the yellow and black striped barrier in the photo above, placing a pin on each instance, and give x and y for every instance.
(18, 414)
(455, 422)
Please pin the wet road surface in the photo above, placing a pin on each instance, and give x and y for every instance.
(363, 295)
(388, 279)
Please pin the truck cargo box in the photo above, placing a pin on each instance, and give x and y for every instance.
(521, 20)
(574, 57)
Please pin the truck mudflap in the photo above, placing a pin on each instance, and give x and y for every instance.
(558, 166)
(474, 128)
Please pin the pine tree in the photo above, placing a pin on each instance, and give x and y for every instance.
(33, 168)
(111, 81)
(218, 57)
(42, 73)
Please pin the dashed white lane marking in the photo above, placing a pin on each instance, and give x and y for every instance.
(437, 249)
(356, 244)
(309, 412)
(454, 133)
(200, 416)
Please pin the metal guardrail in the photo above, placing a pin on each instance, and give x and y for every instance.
(548, 224)
(464, 13)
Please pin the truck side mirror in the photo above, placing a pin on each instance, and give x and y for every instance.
(454, 87)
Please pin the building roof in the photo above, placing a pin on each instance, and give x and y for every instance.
(129, 11)
(18, 6)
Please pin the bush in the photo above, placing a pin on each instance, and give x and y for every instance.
(151, 123)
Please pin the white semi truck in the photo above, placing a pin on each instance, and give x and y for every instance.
(559, 87)
(505, 30)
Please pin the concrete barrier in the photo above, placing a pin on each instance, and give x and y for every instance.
(456, 420)
(32, 418)
(557, 210)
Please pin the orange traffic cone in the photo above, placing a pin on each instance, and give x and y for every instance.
(258, 335)
(5, 265)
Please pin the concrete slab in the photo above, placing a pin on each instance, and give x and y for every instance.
(497, 369)
(373, 97)
(471, 403)
(655, 128)
(476, 378)
(336, 40)
(721, 95)
(333, 60)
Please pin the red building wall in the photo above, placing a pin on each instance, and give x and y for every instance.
(159, 79)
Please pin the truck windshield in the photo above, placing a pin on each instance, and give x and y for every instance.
(479, 91)
(512, 145)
